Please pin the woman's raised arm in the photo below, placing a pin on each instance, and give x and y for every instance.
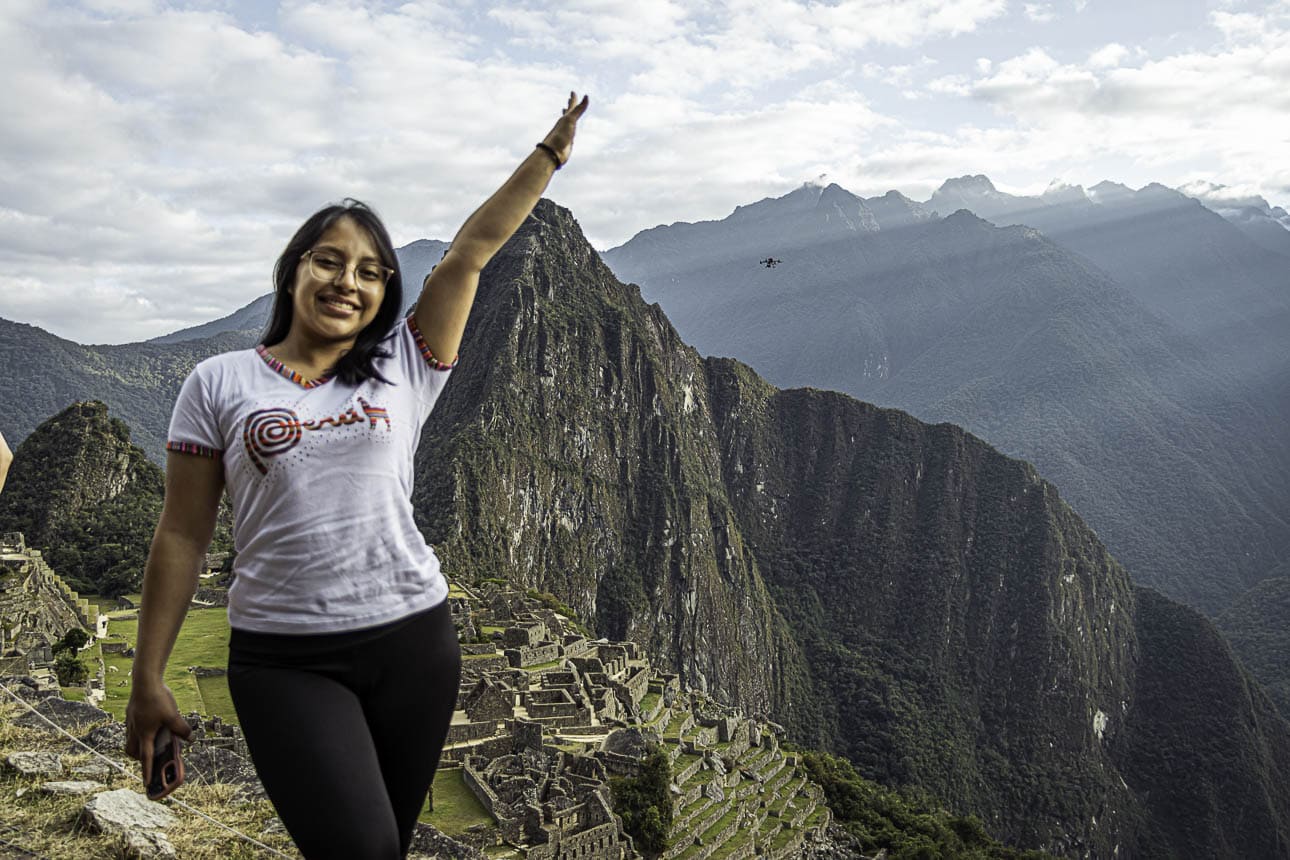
(449, 290)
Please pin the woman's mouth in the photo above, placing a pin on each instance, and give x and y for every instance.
(339, 305)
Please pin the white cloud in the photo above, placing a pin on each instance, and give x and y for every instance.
(1039, 12)
(1108, 56)
(155, 152)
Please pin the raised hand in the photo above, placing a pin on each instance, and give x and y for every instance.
(560, 137)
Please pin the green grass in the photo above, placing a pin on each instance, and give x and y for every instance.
(456, 807)
(216, 698)
(73, 694)
(203, 641)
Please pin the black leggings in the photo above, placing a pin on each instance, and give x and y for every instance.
(346, 729)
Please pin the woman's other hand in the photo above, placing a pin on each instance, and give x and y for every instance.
(560, 137)
(151, 706)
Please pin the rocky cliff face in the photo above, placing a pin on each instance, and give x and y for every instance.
(964, 630)
(574, 452)
(896, 591)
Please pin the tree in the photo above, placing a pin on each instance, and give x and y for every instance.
(69, 669)
(73, 640)
(644, 802)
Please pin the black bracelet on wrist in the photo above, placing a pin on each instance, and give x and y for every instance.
(551, 152)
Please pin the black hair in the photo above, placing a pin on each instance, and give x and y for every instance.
(359, 364)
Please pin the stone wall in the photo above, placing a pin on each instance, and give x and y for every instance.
(532, 655)
(36, 605)
(461, 732)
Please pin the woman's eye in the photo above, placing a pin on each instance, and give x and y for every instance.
(328, 263)
(369, 273)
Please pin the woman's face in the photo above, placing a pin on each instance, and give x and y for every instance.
(333, 303)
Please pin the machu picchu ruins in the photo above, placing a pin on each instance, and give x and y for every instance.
(546, 718)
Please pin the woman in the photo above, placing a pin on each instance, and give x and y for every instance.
(343, 662)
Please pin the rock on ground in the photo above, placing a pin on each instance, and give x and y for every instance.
(36, 763)
(206, 764)
(138, 845)
(62, 713)
(123, 811)
(108, 738)
(71, 787)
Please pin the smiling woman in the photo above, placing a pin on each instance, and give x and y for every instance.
(343, 660)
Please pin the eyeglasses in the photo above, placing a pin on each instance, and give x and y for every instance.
(327, 266)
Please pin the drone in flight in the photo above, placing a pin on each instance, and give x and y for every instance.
(770, 262)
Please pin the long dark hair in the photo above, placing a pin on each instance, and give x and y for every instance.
(359, 364)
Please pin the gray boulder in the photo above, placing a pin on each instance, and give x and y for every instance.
(208, 764)
(66, 787)
(124, 811)
(62, 713)
(106, 738)
(36, 763)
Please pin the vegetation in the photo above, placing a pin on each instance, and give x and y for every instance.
(644, 803)
(89, 499)
(48, 826)
(70, 669)
(455, 807)
(907, 825)
(1258, 626)
(202, 641)
(555, 604)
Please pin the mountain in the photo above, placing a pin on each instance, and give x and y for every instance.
(1264, 224)
(898, 592)
(139, 381)
(1168, 444)
(84, 495)
(895, 591)
(1184, 262)
(1258, 626)
(246, 320)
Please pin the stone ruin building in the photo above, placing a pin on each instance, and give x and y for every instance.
(37, 608)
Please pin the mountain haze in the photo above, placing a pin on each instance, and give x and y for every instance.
(1165, 436)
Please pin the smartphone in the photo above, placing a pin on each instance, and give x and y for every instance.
(167, 766)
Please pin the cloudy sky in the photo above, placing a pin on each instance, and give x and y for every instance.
(155, 156)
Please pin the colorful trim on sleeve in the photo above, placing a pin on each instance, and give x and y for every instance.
(429, 356)
(192, 448)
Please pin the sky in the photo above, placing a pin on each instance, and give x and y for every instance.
(156, 156)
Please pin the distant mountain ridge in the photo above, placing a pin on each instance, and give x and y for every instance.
(139, 381)
(1158, 407)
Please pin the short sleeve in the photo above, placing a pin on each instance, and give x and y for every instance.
(194, 428)
(422, 368)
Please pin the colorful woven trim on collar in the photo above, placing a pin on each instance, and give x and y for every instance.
(286, 372)
(429, 356)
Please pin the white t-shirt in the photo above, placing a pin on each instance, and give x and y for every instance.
(320, 476)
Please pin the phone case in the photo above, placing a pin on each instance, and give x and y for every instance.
(167, 765)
